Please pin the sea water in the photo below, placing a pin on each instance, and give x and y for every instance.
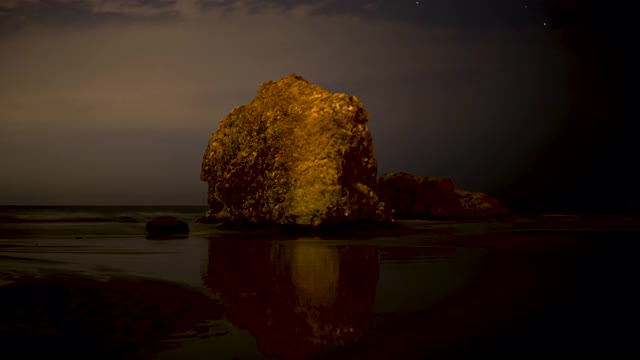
(536, 283)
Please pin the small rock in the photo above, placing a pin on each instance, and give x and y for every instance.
(166, 226)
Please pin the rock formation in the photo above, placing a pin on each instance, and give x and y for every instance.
(296, 154)
(421, 197)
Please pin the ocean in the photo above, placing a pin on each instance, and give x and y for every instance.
(95, 214)
(85, 279)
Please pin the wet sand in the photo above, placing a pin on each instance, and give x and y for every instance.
(535, 284)
(118, 318)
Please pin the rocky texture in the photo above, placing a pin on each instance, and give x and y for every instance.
(163, 226)
(422, 197)
(296, 154)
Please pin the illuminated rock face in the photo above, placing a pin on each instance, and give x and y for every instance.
(297, 297)
(418, 197)
(296, 154)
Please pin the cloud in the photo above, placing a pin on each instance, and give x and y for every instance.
(158, 71)
(161, 9)
(187, 8)
(432, 94)
(176, 8)
(141, 74)
(12, 4)
(371, 6)
(9, 4)
(129, 7)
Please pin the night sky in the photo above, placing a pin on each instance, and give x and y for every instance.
(113, 102)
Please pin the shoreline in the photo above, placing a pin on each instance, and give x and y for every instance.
(471, 284)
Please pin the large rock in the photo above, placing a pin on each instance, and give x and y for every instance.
(296, 154)
(414, 196)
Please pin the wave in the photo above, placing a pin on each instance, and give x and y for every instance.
(94, 215)
(19, 219)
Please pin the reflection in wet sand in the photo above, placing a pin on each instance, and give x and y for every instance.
(294, 297)
(314, 271)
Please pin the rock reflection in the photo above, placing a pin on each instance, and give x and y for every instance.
(294, 297)
(314, 271)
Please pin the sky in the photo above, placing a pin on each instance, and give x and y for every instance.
(113, 102)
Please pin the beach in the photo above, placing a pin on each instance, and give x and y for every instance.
(86, 279)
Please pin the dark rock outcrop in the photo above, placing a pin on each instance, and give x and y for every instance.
(295, 155)
(166, 226)
(414, 196)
